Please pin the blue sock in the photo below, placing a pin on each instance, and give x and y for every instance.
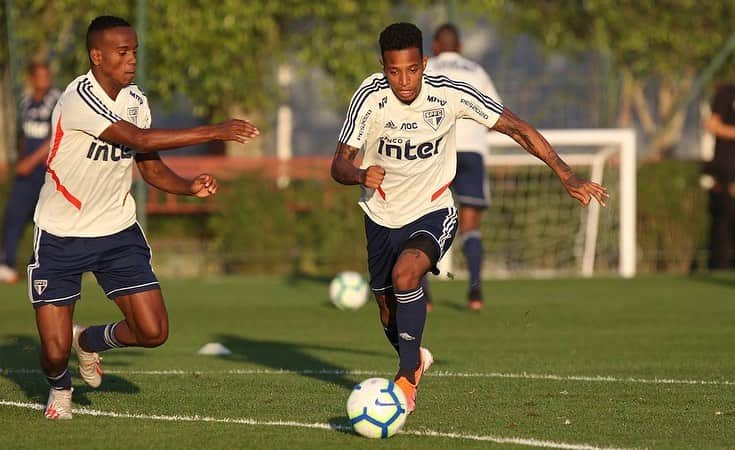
(391, 332)
(472, 248)
(99, 338)
(410, 318)
(62, 381)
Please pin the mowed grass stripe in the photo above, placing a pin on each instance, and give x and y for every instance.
(323, 426)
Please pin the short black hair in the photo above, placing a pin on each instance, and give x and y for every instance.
(103, 23)
(34, 65)
(400, 36)
(447, 28)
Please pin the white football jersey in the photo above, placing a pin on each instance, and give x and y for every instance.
(88, 180)
(414, 143)
(471, 136)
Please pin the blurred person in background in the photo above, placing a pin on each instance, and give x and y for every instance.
(470, 184)
(721, 179)
(30, 167)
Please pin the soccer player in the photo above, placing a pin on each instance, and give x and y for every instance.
(85, 217)
(470, 183)
(404, 121)
(30, 168)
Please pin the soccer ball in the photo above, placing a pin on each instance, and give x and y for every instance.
(348, 291)
(377, 408)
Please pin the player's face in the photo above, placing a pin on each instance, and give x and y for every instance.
(403, 69)
(40, 79)
(117, 54)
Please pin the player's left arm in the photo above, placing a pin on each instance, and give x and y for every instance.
(156, 173)
(534, 143)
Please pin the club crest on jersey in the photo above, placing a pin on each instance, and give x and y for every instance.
(40, 286)
(133, 114)
(434, 117)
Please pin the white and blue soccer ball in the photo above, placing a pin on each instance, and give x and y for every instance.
(348, 290)
(377, 408)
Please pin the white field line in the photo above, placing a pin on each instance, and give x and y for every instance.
(439, 374)
(321, 426)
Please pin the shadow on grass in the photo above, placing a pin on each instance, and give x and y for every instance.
(19, 363)
(293, 357)
(720, 278)
(341, 424)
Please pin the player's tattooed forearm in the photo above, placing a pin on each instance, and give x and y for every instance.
(559, 166)
(349, 152)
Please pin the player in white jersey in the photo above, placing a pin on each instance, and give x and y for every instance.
(470, 184)
(85, 217)
(403, 120)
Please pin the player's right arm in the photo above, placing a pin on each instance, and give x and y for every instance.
(146, 140)
(344, 170)
(357, 125)
(80, 109)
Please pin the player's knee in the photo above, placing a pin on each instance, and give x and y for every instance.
(153, 335)
(406, 277)
(55, 356)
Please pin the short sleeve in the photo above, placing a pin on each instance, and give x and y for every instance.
(83, 111)
(471, 103)
(361, 112)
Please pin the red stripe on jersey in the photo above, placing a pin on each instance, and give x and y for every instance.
(381, 192)
(60, 187)
(441, 190)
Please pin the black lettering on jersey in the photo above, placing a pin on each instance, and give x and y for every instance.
(409, 126)
(137, 97)
(407, 151)
(433, 99)
(106, 151)
(102, 150)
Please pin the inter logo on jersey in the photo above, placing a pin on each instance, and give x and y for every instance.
(400, 148)
(434, 117)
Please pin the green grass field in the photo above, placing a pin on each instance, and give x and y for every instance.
(645, 363)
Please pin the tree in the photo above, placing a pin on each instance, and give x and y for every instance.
(220, 54)
(656, 47)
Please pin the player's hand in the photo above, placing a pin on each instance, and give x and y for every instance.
(584, 190)
(237, 130)
(24, 167)
(203, 186)
(373, 177)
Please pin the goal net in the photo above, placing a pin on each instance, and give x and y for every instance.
(534, 228)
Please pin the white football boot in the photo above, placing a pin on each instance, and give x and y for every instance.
(89, 362)
(58, 406)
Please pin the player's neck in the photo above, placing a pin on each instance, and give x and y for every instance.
(111, 87)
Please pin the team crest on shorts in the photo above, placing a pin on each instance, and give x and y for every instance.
(434, 117)
(40, 286)
(133, 114)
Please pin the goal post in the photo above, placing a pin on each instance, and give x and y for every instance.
(530, 210)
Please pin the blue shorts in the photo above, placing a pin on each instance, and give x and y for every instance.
(470, 184)
(384, 245)
(121, 263)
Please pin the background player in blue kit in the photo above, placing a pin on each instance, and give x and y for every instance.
(30, 168)
(404, 121)
(85, 217)
(470, 185)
